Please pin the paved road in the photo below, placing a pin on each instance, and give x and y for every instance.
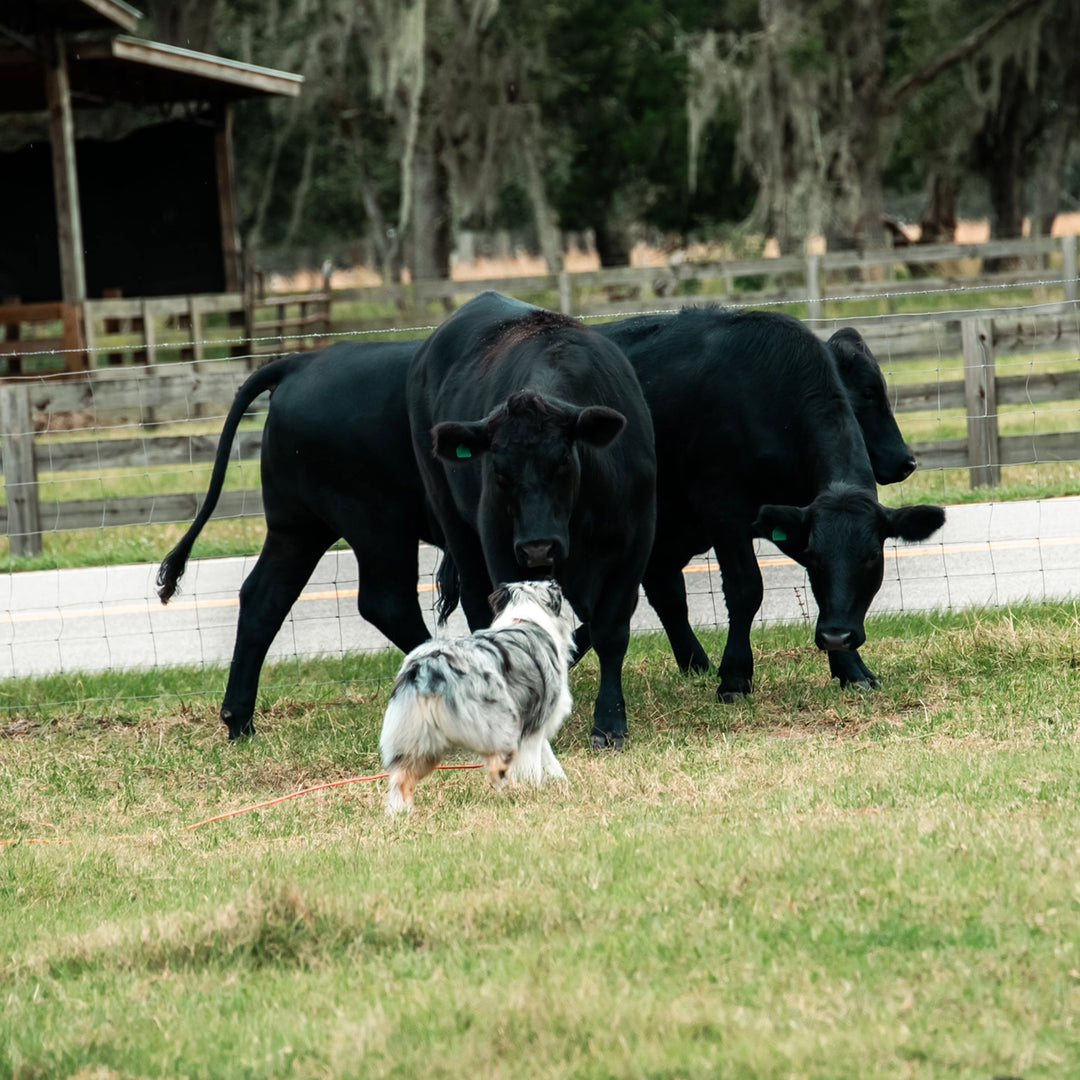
(93, 619)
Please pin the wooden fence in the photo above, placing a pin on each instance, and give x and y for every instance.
(149, 391)
(118, 331)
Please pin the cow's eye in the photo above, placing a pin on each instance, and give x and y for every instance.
(502, 479)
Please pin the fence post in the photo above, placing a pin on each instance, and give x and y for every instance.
(566, 293)
(20, 469)
(813, 285)
(1068, 265)
(980, 397)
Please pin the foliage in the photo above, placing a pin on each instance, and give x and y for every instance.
(624, 117)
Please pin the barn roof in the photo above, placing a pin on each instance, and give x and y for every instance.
(75, 16)
(103, 70)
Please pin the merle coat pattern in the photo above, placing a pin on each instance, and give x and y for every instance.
(501, 693)
(536, 451)
(763, 430)
(337, 461)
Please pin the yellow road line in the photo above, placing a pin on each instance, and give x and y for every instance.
(766, 561)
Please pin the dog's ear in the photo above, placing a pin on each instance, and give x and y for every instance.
(554, 597)
(499, 599)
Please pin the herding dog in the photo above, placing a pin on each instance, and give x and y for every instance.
(501, 692)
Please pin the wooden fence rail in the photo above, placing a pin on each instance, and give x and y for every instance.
(135, 393)
(119, 330)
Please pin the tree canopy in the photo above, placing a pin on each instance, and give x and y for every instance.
(680, 118)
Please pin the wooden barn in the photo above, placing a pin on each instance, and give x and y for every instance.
(116, 170)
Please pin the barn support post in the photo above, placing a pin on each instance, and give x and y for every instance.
(1068, 266)
(226, 190)
(813, 285)
(20, 469)
(65, 178)
(980, 397)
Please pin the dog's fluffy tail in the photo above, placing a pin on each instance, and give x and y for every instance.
(411, 727)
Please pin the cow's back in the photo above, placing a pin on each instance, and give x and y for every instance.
(340, 423)
(743, 401)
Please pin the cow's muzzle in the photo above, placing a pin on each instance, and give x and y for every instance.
(537, 554)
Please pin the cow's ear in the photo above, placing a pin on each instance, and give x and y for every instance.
(782, 525)
(599, 425)
(453, 441)
(912, 522)
(849, 348)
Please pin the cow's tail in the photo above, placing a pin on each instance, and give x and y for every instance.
(449, 588)
(266, 378)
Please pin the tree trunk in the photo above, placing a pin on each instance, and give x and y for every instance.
(937, 223)
(431, 213)
(1050, 175)
(612, 242)
(300, 194)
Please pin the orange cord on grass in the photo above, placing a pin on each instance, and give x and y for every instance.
(245, 809)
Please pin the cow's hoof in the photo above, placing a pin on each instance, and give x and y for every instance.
(695, 667)
(238, 729)
(862, 684)
(602, 740)
(729, 697)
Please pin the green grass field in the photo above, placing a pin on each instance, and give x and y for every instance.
(813, 883)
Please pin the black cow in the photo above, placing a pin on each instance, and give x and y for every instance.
(337, 461)
(536, 451)
(763, 430)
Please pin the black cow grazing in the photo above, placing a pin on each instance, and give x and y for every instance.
(337, 461)
(763, 430)
(536, 451)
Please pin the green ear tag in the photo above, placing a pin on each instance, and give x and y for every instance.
(779, 534)
(463, 451)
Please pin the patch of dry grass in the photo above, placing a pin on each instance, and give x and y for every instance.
(812, 883)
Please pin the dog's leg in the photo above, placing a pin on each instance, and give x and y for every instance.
(550, 763)
(498, 766)
(403, 781)
(527, 767)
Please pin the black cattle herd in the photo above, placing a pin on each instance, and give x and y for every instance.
(525, 445)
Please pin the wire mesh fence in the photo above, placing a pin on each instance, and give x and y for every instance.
(104, 469)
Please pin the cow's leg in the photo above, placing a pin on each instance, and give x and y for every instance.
(610, 630)
(743, 593)
(665, 588)
(386, 593)
(475, 581)
(849, 668)
(582, 643)
(270, 590)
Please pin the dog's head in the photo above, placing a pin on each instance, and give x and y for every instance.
(546, 593)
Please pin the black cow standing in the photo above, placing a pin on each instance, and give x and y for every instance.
(764, 430)
(536, 451)
(337, 461)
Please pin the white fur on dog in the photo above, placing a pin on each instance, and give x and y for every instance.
(501, 693)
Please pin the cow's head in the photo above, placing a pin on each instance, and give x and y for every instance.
(839, 538)
(890, 457)
(529, 451)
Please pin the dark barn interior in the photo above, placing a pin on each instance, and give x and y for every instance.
(115, 156)
(150, 217)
